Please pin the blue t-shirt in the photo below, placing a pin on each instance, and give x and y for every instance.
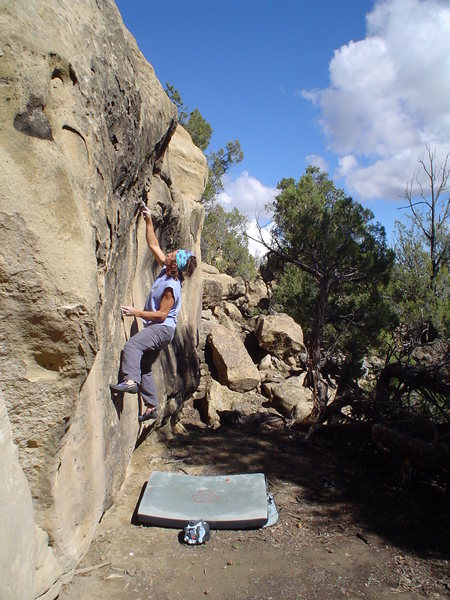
(161, 283)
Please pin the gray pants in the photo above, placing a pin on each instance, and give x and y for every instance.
(139, 354)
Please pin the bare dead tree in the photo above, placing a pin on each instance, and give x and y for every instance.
(433, 220)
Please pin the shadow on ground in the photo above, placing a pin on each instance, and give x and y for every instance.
(345, 482)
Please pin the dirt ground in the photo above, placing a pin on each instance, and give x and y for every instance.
(352, 525)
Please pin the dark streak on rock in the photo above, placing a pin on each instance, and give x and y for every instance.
(34, 122)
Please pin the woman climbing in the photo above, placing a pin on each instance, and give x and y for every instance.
(160, 319)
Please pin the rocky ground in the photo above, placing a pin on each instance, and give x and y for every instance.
(352, 525)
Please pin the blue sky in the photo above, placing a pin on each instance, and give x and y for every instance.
(357, 87)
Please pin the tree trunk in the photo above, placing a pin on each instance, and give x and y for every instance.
(313, 377)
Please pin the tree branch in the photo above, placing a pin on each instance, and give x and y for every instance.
(317, 274)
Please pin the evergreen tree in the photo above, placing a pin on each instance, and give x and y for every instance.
(224, 244)
(344, 263)
(219, 162)
(420, 300)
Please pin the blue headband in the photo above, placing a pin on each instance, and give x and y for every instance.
(182, 257)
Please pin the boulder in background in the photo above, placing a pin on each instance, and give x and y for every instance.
(279, 335)
(231, 360)
(290, 397)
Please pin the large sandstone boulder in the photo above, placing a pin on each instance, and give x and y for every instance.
(280, 335)
(273, 369)
(212, 287)
(256, 292)
(232, 311)
(86, 130)
(219, 398)
(290, 397)
(213, 281)
(212, 293)
(183, 169)
(233, 324)
(231, 360)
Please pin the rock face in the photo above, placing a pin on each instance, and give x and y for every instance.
(17, 525)
(86, 130)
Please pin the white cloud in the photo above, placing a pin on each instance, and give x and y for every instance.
(389, 96)
(384, 178)
(255, 248)
(317, 161)
(347, 164)
(311, 95)
(247, 194)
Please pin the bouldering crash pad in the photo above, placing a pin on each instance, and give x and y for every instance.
(224, 501)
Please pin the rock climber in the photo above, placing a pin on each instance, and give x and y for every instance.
(159, 316)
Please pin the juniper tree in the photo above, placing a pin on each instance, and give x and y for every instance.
(344, 261)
